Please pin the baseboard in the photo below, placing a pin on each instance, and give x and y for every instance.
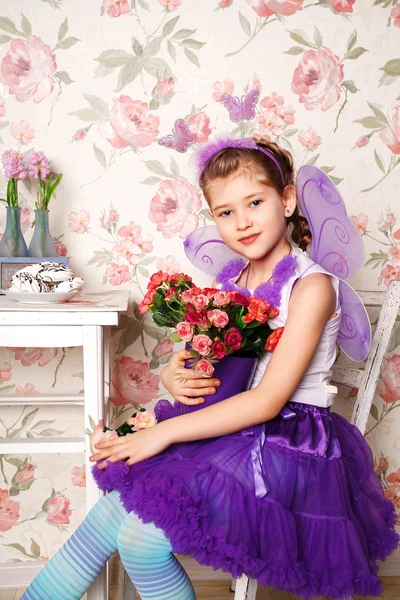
(391, 566)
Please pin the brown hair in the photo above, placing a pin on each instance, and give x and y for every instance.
(231, 161)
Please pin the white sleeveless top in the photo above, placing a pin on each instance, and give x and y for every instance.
(315, 386)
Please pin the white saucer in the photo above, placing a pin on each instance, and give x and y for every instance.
(40, 297)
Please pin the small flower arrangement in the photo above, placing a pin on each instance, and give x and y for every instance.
(47, 182)
(141, 419)
(15, 170)
(214, 323)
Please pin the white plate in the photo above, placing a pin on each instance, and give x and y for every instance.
(40, 297)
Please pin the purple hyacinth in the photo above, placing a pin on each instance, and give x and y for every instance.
(13, 164)
(38, 165)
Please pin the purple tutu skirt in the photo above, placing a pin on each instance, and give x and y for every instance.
(293, 503)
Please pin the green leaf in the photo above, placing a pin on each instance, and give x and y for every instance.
(101, 257)
(62, 32)
(29, 417)
(151, 180)
(35, 548)
(98, 105)
(4, 39)
(174, 337)
(86, 114)
(174, 167)
(101, 157)
(130, 335)
(192, 57)
(152, 47)
(392, 67)
(42, 424)
(67, 43)
(183, 33)
(169, 26)
(318, 37)
(156, 167)
(294, 50)
(369, 122)
(4, 124)
(14, 460)
(25, 25)
(92, 423)
(148, 260)
(18, 547)
(313, 160)
(189, 43)
(352, 40)
(154, 104)
(353, 54)
(64, 77)
(245, 25)
(350, 85)
(137, 47)
(50, 432)
(336, 180)
(129, 72)
(143, 4)
(8, 25)
(157, 67)
(379, 114)
(171, 49)
(143, 271)
(374, 412)
(113, 58)
(379, 162)
(300, 37)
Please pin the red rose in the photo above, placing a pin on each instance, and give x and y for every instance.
(197, 318)
(147, 301)
(233, 338)
(273, 339)
(240, 299)
(218, 349)
(210, 292)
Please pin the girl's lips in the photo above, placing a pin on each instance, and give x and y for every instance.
(250, 239)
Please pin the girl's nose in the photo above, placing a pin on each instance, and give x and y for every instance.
(243, 221)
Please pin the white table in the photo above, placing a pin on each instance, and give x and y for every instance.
(85, 321)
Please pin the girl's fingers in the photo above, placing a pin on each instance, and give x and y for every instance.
(190, 401)
(188, 391)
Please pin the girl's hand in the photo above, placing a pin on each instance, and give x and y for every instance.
(135, 446)
(182, 383)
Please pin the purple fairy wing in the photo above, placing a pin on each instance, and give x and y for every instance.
(180, 139)
(337, 246)
(206, 250)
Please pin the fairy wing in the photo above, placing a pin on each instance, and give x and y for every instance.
(337, 247)
(207, 251)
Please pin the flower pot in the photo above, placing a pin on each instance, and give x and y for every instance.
(12, 242)
(42, 243)
(235, 373)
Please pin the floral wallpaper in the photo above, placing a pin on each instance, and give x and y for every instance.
(117, 94)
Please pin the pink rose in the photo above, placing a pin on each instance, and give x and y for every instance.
(395, 14)
(174, 208)
(310, 139)
(201, 343)
(185, 331)
(391, 136)
(79, 476)
(199, 125)
(9, 511)
(2, 107)
(130, 124)
(22, 132)
(27, 68)
(164, 90)
(360, 222)
(99, 434)
(222, 298)
(218, 349)
(200, 301)
(61, 248)
(5, 371)
(219, 318)
(118, 274)
(115, 8)
(133, 382)
(164, 349)
(205, 367)
(57, 509)
(31, 356)
(233, 338)
(187, 295)
(316, 79)
(343, 6)
(388, 387)
(26, 474)
(144, 420)
(225, 87)
(79, 222)
(266, 8)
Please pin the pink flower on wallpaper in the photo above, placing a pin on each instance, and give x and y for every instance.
(26, 216)
(392, 493)
(79, 222)
(395, 14)
(343, 6)
(26, 474)
(199, 125)
(310, 138)
(125, 250)
(164, 90)
(133, 233)
(394, 254)
(170, 5)
(133, 382)
(316, 79)
(174, 208)
(360, 222)
(166, 347)
(388, 387)
(225, 3)
(22, 132)
(58, 510)
(27, 69)
(79, 476)
(31, 356)
(275, 104)
(79, 135)
(61, 248)
(26, 389)
(130, 124)
(5, 371)
(390, 272)
(266, 8)
(9, 511)
(362, 141)
(2, 107)
(115, 8)
(169, 265)
(224, 87)
(256, 85)
(118, 274)
(270, 125)
(391, 135)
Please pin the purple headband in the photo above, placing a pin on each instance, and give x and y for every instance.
(209, 150)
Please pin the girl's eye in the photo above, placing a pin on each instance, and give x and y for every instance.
(256, 202)
(226, 213)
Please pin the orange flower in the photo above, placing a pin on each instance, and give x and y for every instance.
(273, 339)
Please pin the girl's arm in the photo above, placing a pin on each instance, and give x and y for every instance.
(312, 303)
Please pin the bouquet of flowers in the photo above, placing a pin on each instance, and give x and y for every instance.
(214, 323)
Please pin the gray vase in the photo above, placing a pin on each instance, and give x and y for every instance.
(12, 242)
(42, 243)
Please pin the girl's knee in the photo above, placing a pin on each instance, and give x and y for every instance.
(142, 539)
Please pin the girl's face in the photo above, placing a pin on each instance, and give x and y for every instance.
(249, 215)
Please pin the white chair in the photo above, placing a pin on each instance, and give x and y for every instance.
(364, 380)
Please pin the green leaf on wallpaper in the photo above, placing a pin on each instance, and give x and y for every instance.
(327, 170)
(98, 105)
(392, 67)
(318, 37)
(25, 25)
(42, 424)
(313, 159)
(169, 26)
(50, 432)
(151, 180)
(137, 46)
(171, 49)
(378, 259)
(29, 417)
(157, 67)
(154, 104)
(245, 25)
(156, 167)
(130, 335)
(294, 50)
(379, 114)
(67, 43)
(369, 122)
(143, 272)
(14, 460)
(350, 85)
(113, 58)
(3, 125)
(300, 37)
(355, 53)
(86, 114)
(18, 547)
(192, 57)
(4, 39)
(129, 72)
(374, 412)
(7, 25)
(62, 32)
(190, 43)
(143, 4)
(15, 432)
(101, 257)
(148, 260)
(152, 47)
(174, 167)
(35, 548)
(289, 132)
(183, 33)
(352, 40)
(379, 162)
(336, 180)
(64, 77)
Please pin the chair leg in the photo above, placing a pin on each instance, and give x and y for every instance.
(246, 589)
